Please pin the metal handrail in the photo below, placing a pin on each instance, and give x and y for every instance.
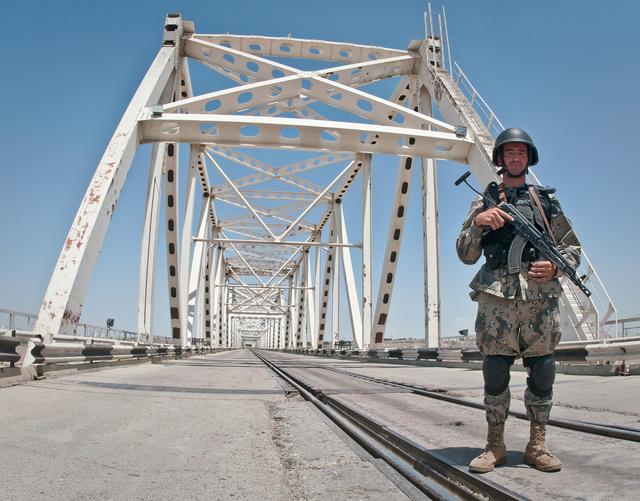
(492, 122)
(83, 330)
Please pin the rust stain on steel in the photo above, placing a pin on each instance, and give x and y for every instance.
(68, 243)
(71, 317)
(94, 197)
(80, 241)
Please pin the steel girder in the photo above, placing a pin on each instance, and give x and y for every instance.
(275, 106)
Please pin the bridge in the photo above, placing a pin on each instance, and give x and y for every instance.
(252, 187)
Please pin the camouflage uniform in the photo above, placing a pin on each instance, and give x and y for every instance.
(517, 317)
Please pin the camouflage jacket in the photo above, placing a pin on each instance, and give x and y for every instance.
(507, 285)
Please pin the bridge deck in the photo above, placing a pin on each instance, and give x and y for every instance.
(594, 467)
(223, 426)
(214, 427)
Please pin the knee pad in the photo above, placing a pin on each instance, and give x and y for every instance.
(542, 374)
(495, 370)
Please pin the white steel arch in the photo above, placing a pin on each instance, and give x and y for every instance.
(246, 271)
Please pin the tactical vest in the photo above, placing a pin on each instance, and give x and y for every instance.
(497, 244)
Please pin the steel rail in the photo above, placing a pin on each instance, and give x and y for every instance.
(426, 470)
(611, 431)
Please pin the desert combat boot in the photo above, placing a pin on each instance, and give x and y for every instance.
(495, 453)
(536, 454)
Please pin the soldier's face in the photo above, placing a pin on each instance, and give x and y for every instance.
(515, 157)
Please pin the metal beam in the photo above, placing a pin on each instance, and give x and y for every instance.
(431, 240)
(62, 303)
(392, 251)
(273, 132)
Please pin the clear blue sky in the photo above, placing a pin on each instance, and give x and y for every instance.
(565, 71)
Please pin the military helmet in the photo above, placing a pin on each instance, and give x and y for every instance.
(514, 135)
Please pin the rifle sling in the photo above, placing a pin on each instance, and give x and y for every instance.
(536, 200)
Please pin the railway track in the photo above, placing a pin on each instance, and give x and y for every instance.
(431, 473)
(611, 431)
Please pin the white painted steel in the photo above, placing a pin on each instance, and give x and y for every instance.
(310, 301)
(62, 304)
(431, 240)
(392, 252)
(195, 296)
(184, 258)
(314, 202)
(149, 243)
(317, 283)
(328, 275)
(290, 315)
(311, 134)
(301, 48)
(367, 266)
(172, 224)
(335, 287)
(213, 289)
(240, 195)
(349, 280)
(284, 174)
(454, 108)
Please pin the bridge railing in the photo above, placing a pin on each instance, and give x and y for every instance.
(484, 111)
(25, 322)
(625, 327)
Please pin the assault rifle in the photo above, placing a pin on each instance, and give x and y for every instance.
(529, 233)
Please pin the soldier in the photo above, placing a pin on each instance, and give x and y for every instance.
(518, 313)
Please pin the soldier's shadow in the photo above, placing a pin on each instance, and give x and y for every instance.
(462, 456)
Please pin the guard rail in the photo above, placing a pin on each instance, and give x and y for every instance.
(611, 351)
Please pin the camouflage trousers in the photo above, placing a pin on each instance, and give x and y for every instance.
(497, 407)
(515, 327)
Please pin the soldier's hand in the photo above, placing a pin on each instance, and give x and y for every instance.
(542, 271)
(494, 218)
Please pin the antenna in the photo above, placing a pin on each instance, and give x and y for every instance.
(446, 34)
(441, 40)
(426, 26)
(433, 36)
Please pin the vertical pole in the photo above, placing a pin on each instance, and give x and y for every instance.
(219, 296)
(327, 280)
(172, 223)
(392, 251)
(225, 316)
(335, 289)
(215, 300)
(446, 33)
(431, 235)
(212, 259)
(302, 307)
(311, 302)
(317, 293)
(367, 310)
(149, 243)
(274, 338)
(196, 289)
(289, 323)
(349, 279)
(185, 247)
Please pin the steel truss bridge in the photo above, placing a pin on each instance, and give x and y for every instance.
(259, 252)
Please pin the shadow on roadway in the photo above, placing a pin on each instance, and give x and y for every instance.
(462, 456)
(177, 389)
